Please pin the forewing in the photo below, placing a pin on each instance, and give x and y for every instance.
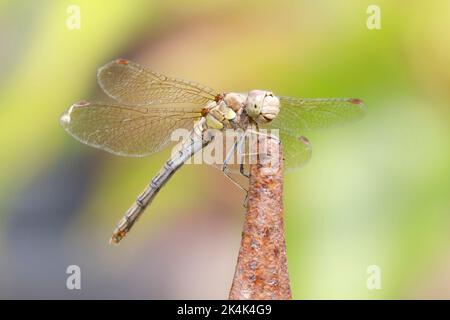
(133, 84)
(298, 115)
(124, 130)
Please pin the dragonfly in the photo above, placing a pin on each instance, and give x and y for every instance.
(148, 106)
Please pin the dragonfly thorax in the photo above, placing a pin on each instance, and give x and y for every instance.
(219, 116)
(225, 112)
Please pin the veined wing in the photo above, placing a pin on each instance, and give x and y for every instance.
(124, 130)
(296, 151)
(133, 84)
(298, 115)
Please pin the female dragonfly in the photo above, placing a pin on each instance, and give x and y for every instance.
(150, 106)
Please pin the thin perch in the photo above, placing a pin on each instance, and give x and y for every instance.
(261, 271)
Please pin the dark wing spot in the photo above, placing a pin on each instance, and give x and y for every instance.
(82, 103)
(122, 61)
(304, 140)
(355, 101)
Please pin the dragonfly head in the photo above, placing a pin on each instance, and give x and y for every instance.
(262, 106)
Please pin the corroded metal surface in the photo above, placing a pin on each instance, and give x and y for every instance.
(261, 270)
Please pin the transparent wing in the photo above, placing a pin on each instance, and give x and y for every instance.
(296, 151)
(132, 84)
(298, 115)
(124, 130)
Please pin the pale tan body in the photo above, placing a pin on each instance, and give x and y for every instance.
(230, 112)
(149, 106)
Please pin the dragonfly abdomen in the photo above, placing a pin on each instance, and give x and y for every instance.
(188, 148)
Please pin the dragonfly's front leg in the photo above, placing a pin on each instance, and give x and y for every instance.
(242, 171)
(226, 170)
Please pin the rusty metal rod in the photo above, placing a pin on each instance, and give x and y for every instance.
(261, 271)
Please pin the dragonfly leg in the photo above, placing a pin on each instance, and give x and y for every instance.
(245, 201)
(241, 155)
(227, 173)
(242, 171)
(225, 168)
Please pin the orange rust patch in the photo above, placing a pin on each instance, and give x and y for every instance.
(276, 252)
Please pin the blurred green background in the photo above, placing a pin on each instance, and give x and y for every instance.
(376, 192)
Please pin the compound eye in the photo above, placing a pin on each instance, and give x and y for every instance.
(270, 94)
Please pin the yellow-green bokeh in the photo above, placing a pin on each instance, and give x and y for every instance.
(376, 192)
